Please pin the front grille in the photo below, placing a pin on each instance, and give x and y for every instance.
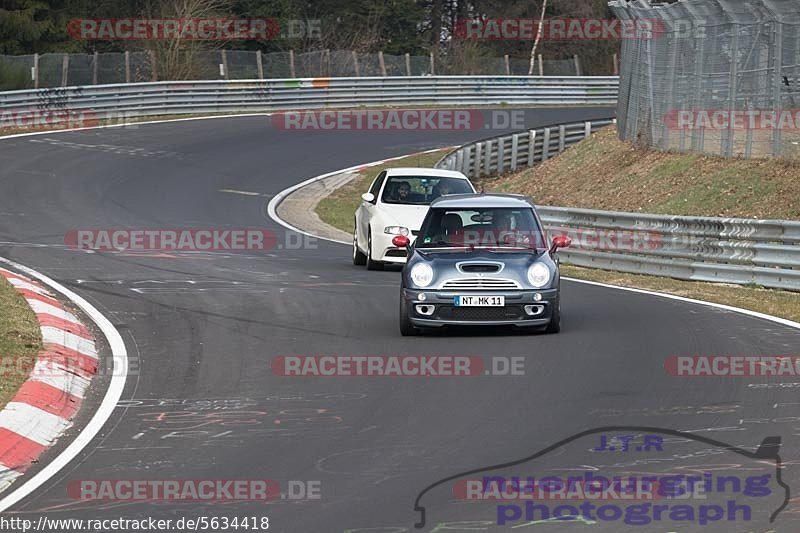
(480, 284)
(478, 267)
(509, 312)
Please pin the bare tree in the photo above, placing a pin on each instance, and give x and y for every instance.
(536, 41)
(177, 58)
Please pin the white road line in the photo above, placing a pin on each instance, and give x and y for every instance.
(68, 340)
(32, 423)
(107, 406)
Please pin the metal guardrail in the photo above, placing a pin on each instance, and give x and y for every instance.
(727, 250)
(186, 97)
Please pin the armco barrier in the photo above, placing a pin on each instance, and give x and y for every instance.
(187, 97)
(727, 250)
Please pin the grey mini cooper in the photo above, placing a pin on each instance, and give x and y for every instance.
(481, 259)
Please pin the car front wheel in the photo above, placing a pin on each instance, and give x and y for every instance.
(407, 329)
(371, 264)
(359, 257)
(555, 321)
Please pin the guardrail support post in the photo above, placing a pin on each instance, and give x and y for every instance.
(465, 166)
(478, 161)
(64, 70)
(501, 155)
(531, 147)
(514, 151)
(508, 65)
(587, 131)
(460, 160)
(487, 161)
(546, 145)
(292, 73)
(127, 66)
(408, 64)
(562, 134)
(616, 65)
(260, 65)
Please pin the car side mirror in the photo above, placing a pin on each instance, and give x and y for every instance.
(560, 241)
(368, 197)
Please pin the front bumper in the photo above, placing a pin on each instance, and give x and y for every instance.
(386, 252)
(444, 313)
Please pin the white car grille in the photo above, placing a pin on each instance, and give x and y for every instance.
(479, 284)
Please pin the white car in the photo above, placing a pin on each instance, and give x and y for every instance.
(396, 204)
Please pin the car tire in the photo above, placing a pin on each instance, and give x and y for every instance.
(407, 329)
(371, 264)
(555, 321)
(359, 257)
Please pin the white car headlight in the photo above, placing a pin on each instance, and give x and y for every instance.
(421, 274)
(539, 275)
(396, 230)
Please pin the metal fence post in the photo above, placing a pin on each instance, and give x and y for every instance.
(508, 65)
(292, 72)
(127, 66)
(355, 64)
(259, 65)
(224, 64)
(433, 71)
(777, 88)
(727, 142)
(382, 63)
(95, 61)
(35, 71)
(408, 64)
(541, 66)
(64, 70)
(577, 65)
(153, 65)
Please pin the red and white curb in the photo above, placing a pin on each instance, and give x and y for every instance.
(45, 405)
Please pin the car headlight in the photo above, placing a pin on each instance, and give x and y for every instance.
(421, 274)
(396, 230)
(539, 275)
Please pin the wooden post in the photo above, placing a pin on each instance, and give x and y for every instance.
(355, 64)
(35, 71)
(408, 64)
(153, 69)
(224, 54)
(577, 65)
(616, 65)
(541, 66)
(508, 65)
(292, 73)
(64, 70)
(259, 65)
(95, 60)
(127, 66)
(433, 72)
(382, 63)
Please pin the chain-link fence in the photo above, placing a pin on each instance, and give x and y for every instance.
(60, 70)
(714, 76)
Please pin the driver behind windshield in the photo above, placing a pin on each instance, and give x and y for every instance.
(401, 193)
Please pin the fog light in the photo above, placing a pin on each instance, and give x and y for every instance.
(537, 297)
(533, 310)
(425, 310)
(422, 297)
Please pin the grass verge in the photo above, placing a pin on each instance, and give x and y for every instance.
(20, 340)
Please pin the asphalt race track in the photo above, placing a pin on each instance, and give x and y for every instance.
(203, 329)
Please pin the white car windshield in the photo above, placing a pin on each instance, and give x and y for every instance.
(421, 190)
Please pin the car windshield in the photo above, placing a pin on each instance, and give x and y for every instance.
(421, 190)
(486, 228)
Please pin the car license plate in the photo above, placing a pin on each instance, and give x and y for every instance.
(479, 301)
